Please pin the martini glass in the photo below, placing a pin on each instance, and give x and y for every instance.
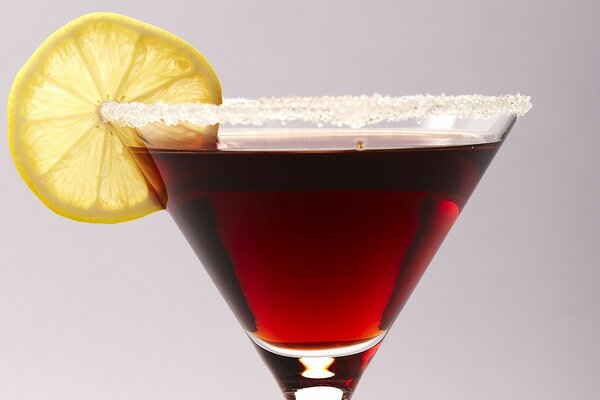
(316, 217)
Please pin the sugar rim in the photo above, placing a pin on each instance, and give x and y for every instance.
(350, 111)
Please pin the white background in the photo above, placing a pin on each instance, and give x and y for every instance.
(507, 310)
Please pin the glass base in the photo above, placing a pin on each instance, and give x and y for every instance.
(315, 375)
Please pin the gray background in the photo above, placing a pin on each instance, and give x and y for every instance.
(507, 310)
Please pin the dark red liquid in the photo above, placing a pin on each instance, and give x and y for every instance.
(317, 249)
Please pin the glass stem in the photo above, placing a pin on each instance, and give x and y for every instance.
(317, 378)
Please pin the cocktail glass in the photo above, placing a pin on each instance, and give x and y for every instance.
(316, 217)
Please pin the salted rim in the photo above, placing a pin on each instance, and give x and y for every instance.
(350, 111)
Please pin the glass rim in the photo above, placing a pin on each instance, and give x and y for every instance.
(339, 111)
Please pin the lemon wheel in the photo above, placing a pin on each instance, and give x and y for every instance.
(78, 165)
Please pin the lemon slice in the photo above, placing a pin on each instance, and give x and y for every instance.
(78, 165)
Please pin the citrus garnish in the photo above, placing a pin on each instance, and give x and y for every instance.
(76, 163)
